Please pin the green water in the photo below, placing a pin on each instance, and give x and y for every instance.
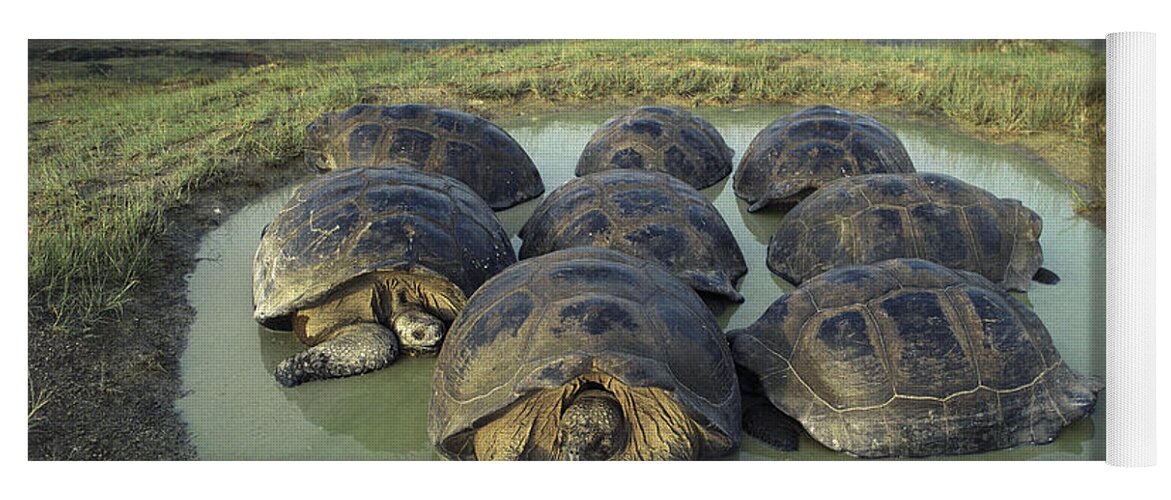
(235, 410)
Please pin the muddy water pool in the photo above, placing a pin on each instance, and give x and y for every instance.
(235, 410)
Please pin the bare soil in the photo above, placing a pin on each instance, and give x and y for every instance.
(110, 393)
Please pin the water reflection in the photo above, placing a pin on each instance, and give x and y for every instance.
(514, 218)
(367, 408)
(762, 224)
(714, 191)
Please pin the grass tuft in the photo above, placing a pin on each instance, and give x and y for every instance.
(37, 400)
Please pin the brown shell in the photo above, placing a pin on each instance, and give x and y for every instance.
(870, 218)
(650, 215)
(356, 221)
(909, 358)
(469, 148)
(801, 152)
(584, 314)
(655, 138)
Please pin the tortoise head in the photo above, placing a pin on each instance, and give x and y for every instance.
(592, 426)
(317, 138)
(419, 332)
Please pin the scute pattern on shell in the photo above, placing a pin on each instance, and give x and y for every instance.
(650, 215)
(660, 139)
(805, 150)
(469, 148)
(549, 320)
(355, 221)
(870, 218)
(910, 358)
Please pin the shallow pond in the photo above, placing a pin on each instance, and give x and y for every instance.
(235, 410)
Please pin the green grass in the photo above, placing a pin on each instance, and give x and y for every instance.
(115, 142)
(38, 398)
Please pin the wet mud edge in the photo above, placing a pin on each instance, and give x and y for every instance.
(111, 392)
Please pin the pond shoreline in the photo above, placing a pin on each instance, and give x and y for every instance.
(110, 394)
(113, 391)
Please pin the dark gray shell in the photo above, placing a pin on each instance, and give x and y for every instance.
(355, 221)
(469, 148)
(801, 152)
(660, 139)
(870, 218)
(909, 358)
(649, 215)
(548, 320)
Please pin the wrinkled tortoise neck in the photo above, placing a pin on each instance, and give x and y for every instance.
(592, 426)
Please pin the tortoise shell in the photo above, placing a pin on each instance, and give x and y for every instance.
(909, 358)
(660, 139)
(356, 221)
(870, 218)
(532, 335)
(650, 215)
(469, 148)
(801, 152)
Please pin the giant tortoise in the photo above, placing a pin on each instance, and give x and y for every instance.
(365, 261)
(870, 218)
(800, 152)
(645, 214)
(469, 148)
(909, 358)
(585, 354)
(659, 139)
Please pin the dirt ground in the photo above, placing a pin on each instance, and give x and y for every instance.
(110, 394)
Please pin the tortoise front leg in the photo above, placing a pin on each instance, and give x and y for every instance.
(765, 422)
(356, 349)
(760, 419)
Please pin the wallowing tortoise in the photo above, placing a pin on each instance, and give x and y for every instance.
(660, 139)
(469, 148)
(909, 358)
(650, 215)
(363, 263)
(800, 152)
(871, 218)
(584, 354)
